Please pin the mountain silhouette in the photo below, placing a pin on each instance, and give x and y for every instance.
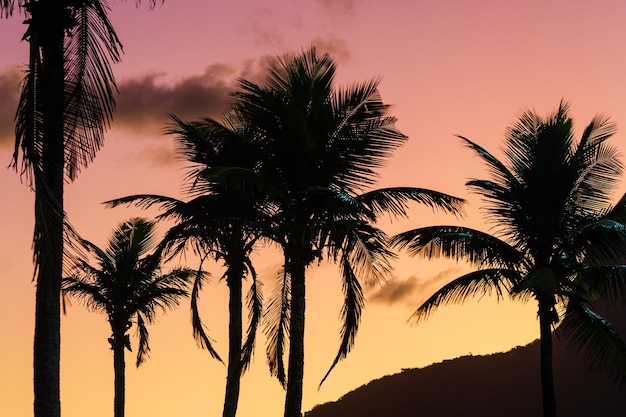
(503, 385)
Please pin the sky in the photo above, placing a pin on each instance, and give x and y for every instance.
(448, 67)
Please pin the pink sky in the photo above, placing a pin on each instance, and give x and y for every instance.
(448, 67)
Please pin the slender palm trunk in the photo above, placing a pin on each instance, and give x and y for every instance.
(295, 373)
(48, 244)
(119, 367)
(547, 378)
(233, 377)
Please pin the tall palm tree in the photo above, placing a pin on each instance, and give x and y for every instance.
(556, 238)
(221, 221)
(66, 102)
(319, 148)
(126, 284)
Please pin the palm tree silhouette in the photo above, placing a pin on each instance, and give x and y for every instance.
(67, 100)
(126, 284)
(319, 148)
(222, 220)
(556, 238)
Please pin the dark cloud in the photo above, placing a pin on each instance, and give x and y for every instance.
(144, 102)
(411, 291)
(10, 79)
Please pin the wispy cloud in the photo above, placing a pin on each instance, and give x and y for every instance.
(335, 6)
(337, 48)
(410, 291)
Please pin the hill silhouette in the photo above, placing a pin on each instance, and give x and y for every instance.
(502, 384)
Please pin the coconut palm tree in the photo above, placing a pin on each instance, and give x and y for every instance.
(556, 237)
(221, 221)
(319, 148)
(67, 100)
(126, 284)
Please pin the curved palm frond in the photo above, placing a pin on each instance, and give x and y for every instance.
(493, 281)
(395, 200)
(595, 339)
(459, 243)
(255, 313)
(354, 302)
(199, 330)
(277, 327)
(90, 85)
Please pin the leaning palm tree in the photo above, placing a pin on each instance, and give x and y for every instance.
(222, 221)
(67, 100)
(557, 238)
(126, 284)
(318, 150)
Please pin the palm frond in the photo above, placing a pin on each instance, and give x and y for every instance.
(6, 8)
(90, 85)
(144, 347)
(459, 243)
(199, 330)
(493, 281)
(594, 338)
(255, 312)
(277, 327)
(353, 305)
(395, 201)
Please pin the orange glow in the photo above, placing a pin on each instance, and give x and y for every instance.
(449, 67)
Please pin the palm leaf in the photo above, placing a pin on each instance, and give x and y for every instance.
(595, 339)
(277, 327)
(494, 281)
(353, 305)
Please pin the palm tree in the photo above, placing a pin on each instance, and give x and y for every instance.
(319, 148)
(67, 100)
(126, 284)
(221, 221)
(556, 238)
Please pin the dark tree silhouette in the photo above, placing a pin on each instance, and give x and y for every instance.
(556, 239)
(319, 148)
(67, 100)
(221, 220)
(126, 284)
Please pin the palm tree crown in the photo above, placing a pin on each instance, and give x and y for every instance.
(127, 286)
(223, 220)
(557, 238)
(319, 147)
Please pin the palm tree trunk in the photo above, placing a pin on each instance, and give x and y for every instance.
(48, 240)
(295, 373)
(119, 367)
(547, 378)
(233, 377)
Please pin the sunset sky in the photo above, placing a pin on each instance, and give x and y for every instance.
(448, 67)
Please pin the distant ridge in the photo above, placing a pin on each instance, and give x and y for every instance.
(499, 385)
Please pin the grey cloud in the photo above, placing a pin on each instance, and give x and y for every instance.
(144, 102)
(411, 291)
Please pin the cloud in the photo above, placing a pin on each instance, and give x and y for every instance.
(337, 48)
(338, 6)
(262, 28)
(10, 79)
(411, 291)
(144, 102)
